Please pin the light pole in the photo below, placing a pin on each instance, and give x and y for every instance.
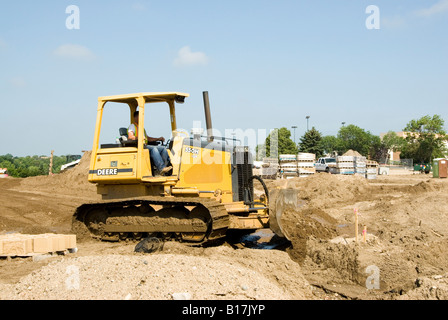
(294, 127)
(307, 119)
(343, 123)
(233, 137)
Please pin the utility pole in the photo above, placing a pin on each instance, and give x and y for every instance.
(50, 171)
(233, 137)
(307, 119)
(294, 127)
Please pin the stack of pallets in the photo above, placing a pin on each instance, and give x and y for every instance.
(371, 170)
(305, 164)
(360, 166)
(26, 245)
(288, 165)
(345, 165)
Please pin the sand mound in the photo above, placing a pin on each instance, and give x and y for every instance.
(321, 190)
(316, 193)
(405, 215)
(352, 153)
(73, 181)
(219, 273)
(407, 220)
(78, 175)
(305, 224)
(434, 288)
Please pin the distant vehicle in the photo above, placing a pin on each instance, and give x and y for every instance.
(69, 165)
(423, 167)
(3, 172)
(382, 170)
(324, 164)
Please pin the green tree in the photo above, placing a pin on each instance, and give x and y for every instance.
(390, 141)
(311, 142)
(425, 139)
(329, 144)
(357, 139)
(33, 171)
(281, 142)
(22, 167)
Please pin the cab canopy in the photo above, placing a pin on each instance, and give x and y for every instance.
(146, 97)
(138, 100)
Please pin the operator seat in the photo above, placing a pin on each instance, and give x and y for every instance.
(124, 138)
(124, 142)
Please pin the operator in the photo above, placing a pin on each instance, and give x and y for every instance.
(158, 154)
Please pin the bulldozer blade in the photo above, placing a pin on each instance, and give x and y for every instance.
(280, 201)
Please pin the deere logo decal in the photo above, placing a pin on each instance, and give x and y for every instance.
(107, 172)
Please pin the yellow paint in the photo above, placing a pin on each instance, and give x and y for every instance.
(204, 172)
(176, 152)
(142, 164)
(207, 170)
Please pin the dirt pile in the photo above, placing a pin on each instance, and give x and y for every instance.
(406, 249)
(428, 288)
(322, 190)
(45, 203)
(352, 153)
(355, 262)
(315, 194)
(406, 219)
(73, 181)
(213, 273)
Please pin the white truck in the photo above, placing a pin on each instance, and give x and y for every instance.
(3, 172)
(325, 164)
(69, 165)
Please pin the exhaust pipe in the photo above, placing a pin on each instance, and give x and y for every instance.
(208, 118)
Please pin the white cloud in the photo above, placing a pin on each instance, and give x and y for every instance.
(439, 7)
(185, 57)
(74, 51)
(400, 21)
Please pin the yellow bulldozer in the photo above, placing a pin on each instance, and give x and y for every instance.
(209, 191)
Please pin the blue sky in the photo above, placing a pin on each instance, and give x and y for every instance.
(265, 64)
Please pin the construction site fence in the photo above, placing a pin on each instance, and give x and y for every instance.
(403, 164)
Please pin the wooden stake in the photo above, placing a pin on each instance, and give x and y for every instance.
(50, 170)
(364, 233)
(356, 224)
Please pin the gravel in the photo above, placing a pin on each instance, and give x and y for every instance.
(164, 276)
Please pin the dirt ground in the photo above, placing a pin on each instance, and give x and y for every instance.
(404, 256)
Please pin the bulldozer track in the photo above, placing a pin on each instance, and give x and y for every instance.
(197, 220)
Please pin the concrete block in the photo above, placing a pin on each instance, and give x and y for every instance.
(25, 244)
(70, 241)
(58, 242)
(42, 244)
(17, 246)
